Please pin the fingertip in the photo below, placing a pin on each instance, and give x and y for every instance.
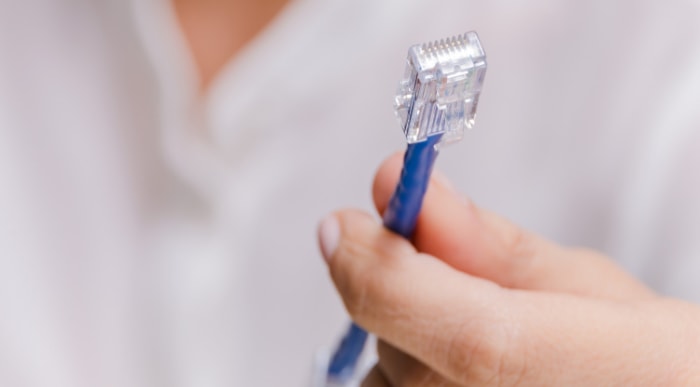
(385, 180)
(449, 225)
(441, 179)
(388, 174)
(360, 232)
(328, 236)
(367, 263)
(446, 218)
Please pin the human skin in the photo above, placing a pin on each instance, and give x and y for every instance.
(217, 30)
(477, 301)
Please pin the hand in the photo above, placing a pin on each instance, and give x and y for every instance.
(477, 301)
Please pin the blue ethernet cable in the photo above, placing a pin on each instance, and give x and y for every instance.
(399, 217)
(404, 206)
(436, 101)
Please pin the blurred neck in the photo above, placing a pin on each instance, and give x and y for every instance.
(217, 30)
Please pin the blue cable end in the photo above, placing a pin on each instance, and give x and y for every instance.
(343, 365)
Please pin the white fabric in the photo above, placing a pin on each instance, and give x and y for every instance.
(150, 237)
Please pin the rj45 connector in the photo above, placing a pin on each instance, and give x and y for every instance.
(440, 89)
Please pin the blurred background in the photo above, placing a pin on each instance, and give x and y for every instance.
(163, 165)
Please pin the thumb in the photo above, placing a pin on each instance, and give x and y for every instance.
(412, 300)
(483, 244)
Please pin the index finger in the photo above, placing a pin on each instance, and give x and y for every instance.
(483, 244)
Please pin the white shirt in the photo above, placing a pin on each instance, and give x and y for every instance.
(149, 236)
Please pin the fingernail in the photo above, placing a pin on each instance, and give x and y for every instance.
(328, 236)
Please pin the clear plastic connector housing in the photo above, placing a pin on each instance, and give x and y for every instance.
(440, 89)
